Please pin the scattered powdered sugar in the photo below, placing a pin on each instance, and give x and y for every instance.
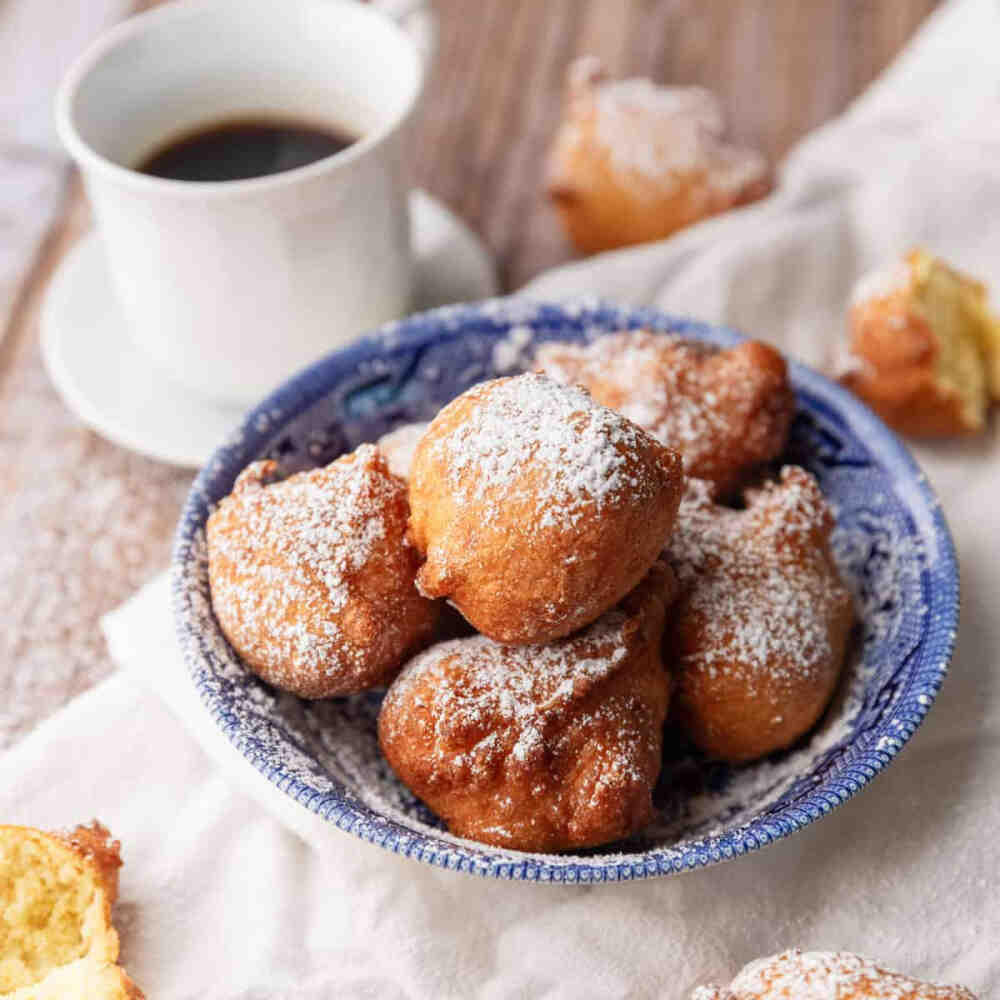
(399, 445)
(879, 284)
(254, 716)
(842, 361)
(513, 689)
(881, 565)
(528, 725)
(634, 361)
(510, 352)
(529, 439)
(84, 524)
(880, 562)
(911, 493)
(663, 133)
(797, 975)
(761, 590)
(331, 746)
(287, 552)
(665, 385)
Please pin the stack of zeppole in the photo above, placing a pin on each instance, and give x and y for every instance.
(573, 517)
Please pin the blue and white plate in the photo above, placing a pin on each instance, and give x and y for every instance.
(891, 542)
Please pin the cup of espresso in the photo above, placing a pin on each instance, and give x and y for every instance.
(244, 160)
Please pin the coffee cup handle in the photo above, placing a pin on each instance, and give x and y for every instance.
(417, 19)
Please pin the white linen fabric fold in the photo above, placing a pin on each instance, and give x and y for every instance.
(233, 891)
(34, 53)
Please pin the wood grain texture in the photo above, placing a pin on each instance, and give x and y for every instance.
(83, 523)
(780, 68)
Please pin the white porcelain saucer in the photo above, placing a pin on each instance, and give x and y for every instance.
(113, 387)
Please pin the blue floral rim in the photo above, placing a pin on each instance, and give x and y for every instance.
(916, 680)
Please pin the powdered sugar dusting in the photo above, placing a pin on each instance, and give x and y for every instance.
(687, 395)
(661, 398)
(325, 754)
(880, 562)
(656, 130)
(530, 439)
(664, 133)
(509, 354)
(797, 975)
(399, 445)
(331, 746)
(879, 284)
(257, 710)
(286, 553)
(518, 688)
(632, 359)
(550, 737)
(763, 603)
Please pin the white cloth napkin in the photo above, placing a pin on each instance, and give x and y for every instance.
(37, 44)
(221, 900)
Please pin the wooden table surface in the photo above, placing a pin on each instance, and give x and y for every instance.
(83, 523)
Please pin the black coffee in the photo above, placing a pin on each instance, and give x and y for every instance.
(238, 149)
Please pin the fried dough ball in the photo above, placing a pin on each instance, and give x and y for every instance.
(537, 509)
(822, 975)
(312, 577)
(399, 445)
(757, 639)
(634, 162)
(725, 411)
(924, 348)
(538, 748)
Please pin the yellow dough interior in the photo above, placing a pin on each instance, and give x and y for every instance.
(86, 977)
(52, 909)
(968, 334)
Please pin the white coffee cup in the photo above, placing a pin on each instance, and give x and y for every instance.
(233, 285)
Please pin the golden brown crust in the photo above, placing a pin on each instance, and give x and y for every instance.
(399, 445)
(896, 371)
(94, 843)
(132, 991)
(758, 638)
(797, 975)
(312, 577)
(537, 509)
(633, 163)
(726, 411)
(538, 748)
